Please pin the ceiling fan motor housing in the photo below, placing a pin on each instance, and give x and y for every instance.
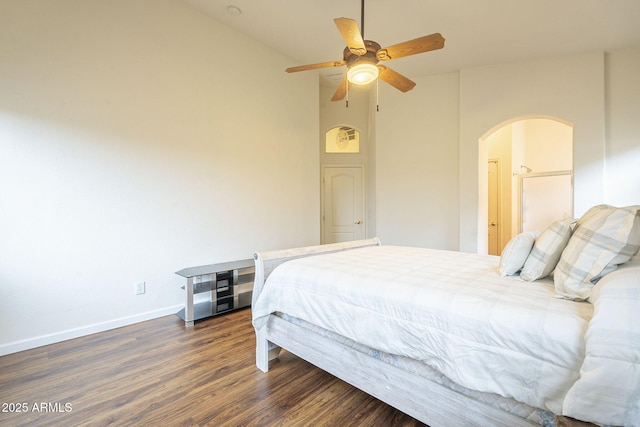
(369, 57)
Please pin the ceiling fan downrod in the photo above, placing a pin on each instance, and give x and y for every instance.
(362, 19)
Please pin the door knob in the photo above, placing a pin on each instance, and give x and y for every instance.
(358, 222)
(493, 223)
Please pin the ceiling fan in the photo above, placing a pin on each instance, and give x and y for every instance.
(361, 57)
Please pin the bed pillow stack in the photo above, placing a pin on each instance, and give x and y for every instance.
(604, 237)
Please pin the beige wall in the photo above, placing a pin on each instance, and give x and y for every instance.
(622, 174)
(548, 145)
(134, 144)
(597, 93)
(417, 163)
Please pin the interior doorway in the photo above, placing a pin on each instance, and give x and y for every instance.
(535, 177)
(343, 203)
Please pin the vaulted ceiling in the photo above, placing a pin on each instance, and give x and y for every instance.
(477, 32)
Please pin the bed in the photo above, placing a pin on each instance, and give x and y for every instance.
(453, 338)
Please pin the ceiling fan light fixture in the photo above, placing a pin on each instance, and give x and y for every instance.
(362, 74)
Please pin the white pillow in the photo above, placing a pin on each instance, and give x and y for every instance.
(547, 250)
(604, 237)
(516, 252)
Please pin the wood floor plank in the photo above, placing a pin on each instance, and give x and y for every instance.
(160, 373)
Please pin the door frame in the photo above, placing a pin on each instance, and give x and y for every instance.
(363, 197)
(498, 189)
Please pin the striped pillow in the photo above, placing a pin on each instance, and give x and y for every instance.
(547, 250)
(604, 237)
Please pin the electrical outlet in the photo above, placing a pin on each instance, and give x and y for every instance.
(140, 288)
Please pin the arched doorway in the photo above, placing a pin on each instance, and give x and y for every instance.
(525, 177)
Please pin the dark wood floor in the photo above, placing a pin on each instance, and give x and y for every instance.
(161, 373)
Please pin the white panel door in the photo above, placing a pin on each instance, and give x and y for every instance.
(343, 204)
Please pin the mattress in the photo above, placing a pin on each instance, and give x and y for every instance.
(450, 311)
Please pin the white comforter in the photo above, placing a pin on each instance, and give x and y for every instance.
(608, 391)
(449, 309)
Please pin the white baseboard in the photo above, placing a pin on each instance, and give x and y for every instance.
(16, 346)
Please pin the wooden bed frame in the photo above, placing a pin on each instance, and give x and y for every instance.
(419, 397)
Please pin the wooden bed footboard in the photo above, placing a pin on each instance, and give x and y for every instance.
(266, 262)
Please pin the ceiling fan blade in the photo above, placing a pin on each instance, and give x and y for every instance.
(351, 34)
(395, 79)
(411, 47)
(341, 92)
(315, 66)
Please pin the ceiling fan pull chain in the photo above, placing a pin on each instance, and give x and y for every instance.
(347, 103)
(377, 95)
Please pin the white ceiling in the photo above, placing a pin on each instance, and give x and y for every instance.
(477, 32)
